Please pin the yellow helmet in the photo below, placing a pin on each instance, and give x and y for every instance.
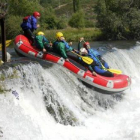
(40, 33)
(59, 34)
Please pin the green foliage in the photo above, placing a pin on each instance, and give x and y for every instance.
(77, 20)
(61, 24)
(54, 15)
(76, 5)
(51, 22)
(24, 7)
(88, 33)
(73, 34)
(89, 23)
(134, 22)
(17, 10)
(54, 3)
(13, 26)
(119, 19)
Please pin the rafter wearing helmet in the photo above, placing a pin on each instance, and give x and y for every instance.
(61, 47)
(29, 24)
(42, 42)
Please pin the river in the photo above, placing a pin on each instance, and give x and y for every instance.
(50, 103)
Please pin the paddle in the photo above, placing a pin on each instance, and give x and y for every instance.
(115, 71)
(111, 70)
(84, 58)
(8, 42)
(90, 60)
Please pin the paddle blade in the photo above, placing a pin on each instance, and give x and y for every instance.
(115, 71)
(7, 43)
(87, 60)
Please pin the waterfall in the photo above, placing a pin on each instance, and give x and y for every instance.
(49, 103)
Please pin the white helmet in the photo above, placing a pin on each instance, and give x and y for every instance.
(83, 50)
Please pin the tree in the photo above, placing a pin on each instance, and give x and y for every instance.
(77, 20)
(24, 7)
(118, 19)
(76, 5)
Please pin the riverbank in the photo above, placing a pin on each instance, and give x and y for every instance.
(73, 34)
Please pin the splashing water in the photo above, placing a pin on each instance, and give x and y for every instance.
(54, 105)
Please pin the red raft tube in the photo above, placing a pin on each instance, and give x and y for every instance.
(118, 83)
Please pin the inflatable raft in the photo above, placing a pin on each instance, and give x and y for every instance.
(118, 83)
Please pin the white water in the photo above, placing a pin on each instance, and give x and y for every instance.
(79, 112)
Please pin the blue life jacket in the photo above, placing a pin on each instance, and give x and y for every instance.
(68, 48)
(31, 24)
(45, 40)
(94, 55)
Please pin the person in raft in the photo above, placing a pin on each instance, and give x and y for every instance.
(98, 64)
(29, 24)
(83, 52)
(42, 42)
(61, 47)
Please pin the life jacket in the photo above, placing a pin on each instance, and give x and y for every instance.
(27, 23)
(94, 55)
(55, 44)
(60, 48)
(68, 48)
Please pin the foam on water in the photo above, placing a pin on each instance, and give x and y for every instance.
(54, 105)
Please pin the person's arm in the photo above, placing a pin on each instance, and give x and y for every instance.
(39, 43)
(91, 69)
(45, 42)
(80, 43)
(34, 23)
(79, 46)
(62, 50)
(68, 48)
